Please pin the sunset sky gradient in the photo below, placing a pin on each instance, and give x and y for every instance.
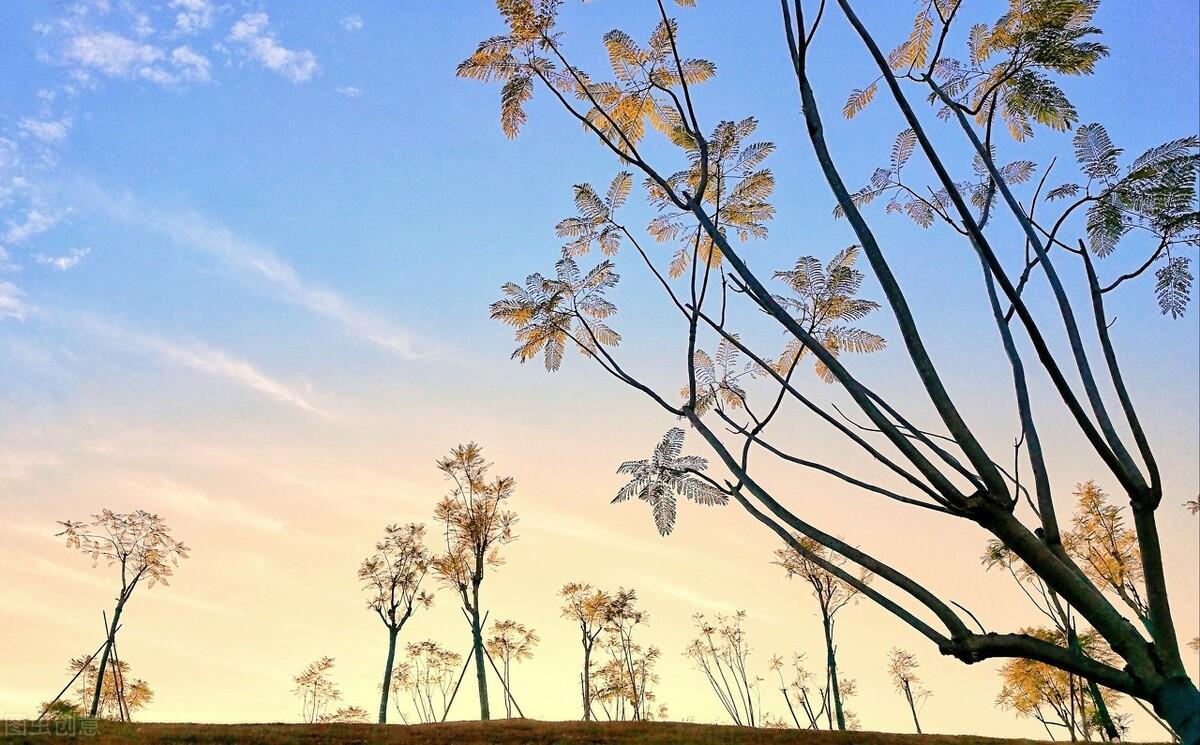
(246, 253)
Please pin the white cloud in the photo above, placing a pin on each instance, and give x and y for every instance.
(352, 23)
(205, 359)
(350, 91)
(36, 222)
(12, 302)
(193, 15)
(192, 65)
(260, 264)
(112, 54)
(196, 502)
(46, 130)
(252, 32)
(64, 262)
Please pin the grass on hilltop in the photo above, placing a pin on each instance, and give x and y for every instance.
(502, 732)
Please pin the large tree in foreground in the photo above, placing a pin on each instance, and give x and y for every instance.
(393, 577)
(139, 544)
(1135, 214)
(475, 523)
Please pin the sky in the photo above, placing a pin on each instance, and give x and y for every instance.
(246, 254)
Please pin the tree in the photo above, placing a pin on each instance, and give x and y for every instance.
(1049, 695)
(832, 594)
(347, 715)
(316, 690)
(393, 575)
(812, 703)
(623, 683)
(720, 651)
(511, 642)
(588, 607)
(715, 195)
(141, 546)
(475, 524)
(902, 668)
(120, 694)
(428, 675)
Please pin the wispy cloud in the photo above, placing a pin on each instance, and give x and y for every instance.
(349, 91)
(46, 130)
(12, 301)
(203, 358)
(352, 23)
(252, 31)
(65, 261)
(197, 503)
(260, 264)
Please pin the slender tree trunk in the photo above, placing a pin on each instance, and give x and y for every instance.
(387, 674)
(831, 664)
(480, 671)
(586, 683)
(912, 705)
(112, 634)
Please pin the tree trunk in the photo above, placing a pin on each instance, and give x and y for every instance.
(912, 705)
(1178, 702)
(587, 681)
(112, 634)
(387, 674)
(480, 672)
(831, 665)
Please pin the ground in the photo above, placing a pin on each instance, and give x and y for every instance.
(507, 732)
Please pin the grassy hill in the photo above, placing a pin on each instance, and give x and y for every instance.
(507, 732)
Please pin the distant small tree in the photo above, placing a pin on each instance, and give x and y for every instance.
(510, 642)
(812, 702)
(316, 690)
(832, 595)
(902, 667)
(1048, 695)
(475, 524)
(428, 675)
(120, 694)
(347, 715)
(588, 607)
(626, 678)
(141, 545)
(720, 651)
(393, 575)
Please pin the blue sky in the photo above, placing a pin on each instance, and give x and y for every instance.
(270, 231)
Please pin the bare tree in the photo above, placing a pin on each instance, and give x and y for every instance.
(720, 198)
(588, 607)
(141, 546)
(316, 690)
(393, 575)
(511, 642)
(720, 651)
(347, 715)
(809, 561)
(624, 688)
(475, 524)
(120, 694)
(428, 675)
(812, 702)
(902, 667)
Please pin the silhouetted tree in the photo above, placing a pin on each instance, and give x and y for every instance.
(347, 715)
(140, 545)
(428, 675)
(628, 675)
(813, 703)
(475, 524)
(316, 690)
(588, 607)
(393, 576)
(832, 594)
(902, 667)
(510, 642)
(720, 651)
(716, 194)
